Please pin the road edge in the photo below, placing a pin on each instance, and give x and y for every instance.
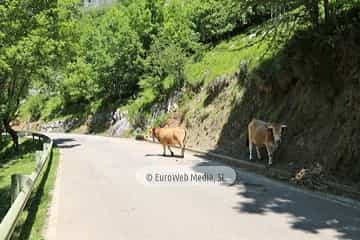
(259, 170)
(49, 231)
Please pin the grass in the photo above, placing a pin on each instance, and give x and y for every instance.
(11, 162)
(226, 57)
(31, 222)
(253, 47)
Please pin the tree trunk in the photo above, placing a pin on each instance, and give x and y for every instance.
(327, 10)
(12, 133)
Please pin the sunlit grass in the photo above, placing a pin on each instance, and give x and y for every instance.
(226, 57)
(31, 222)
(253, 47)
(11, 161)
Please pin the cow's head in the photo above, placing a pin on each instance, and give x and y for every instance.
(277, 131)
(151, 134)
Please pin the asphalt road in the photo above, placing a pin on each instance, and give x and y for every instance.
(101, 192)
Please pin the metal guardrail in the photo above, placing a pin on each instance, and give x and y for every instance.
(22, 185)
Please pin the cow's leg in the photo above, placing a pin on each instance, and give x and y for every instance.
(182, 146)
(250, 143)
(172, 153)
(269, 153)
(182, 150)
(258, 152)
(250, 149)
(164, 153)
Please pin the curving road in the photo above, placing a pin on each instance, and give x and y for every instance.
(99, 195)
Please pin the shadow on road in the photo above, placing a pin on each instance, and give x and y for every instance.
(305, 213)
(64, 143)
(160, 155)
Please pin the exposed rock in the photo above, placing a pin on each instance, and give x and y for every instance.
(28, 126)
(172, 102)
(60, 125)
(98, 120)
(156, 110)
(120, 123)
(170, 106)
(116, 116)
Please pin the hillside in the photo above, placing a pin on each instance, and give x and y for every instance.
(310, 85)
(212, 66)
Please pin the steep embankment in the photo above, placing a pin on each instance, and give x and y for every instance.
(312, 85)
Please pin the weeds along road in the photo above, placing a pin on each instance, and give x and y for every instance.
(99, 195)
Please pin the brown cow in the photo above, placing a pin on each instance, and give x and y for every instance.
(170, 136)
(264, 133)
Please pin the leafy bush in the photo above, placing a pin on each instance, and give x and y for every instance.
(31, 109)
(138, 110)
(114, 52)
(215, 20)
(146, 18)
(79, 84)
(165, 67)
(53, 108)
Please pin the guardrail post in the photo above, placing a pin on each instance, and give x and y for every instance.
(39, 161)
(19, 183)
(46, 146)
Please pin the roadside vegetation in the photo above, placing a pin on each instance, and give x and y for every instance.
(22, 161)
(135, 54)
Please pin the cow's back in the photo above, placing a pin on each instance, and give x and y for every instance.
(258, 131)
(170, 136)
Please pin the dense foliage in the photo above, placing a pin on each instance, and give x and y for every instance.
(131, 54)
(35, 37)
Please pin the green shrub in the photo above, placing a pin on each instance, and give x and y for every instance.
(138, 110)
(31, 109)
(160, 120)
(53, 108)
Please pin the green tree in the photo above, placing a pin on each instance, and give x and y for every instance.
(146, 18)
(114, 51)
(33, 37)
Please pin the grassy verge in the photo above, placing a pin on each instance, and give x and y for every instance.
(226, 57)
(11, 162)
(32, 219)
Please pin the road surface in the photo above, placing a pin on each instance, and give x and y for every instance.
(98, 195)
